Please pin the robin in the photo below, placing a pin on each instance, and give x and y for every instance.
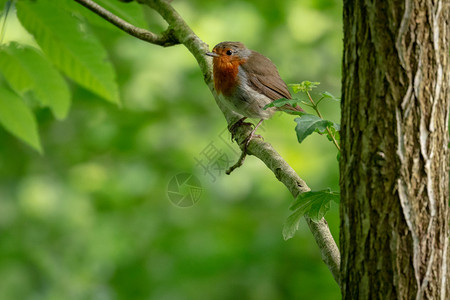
(246, 81)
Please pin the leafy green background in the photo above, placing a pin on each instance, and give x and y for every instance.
(90, 217)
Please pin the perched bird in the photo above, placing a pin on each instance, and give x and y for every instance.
(246, 81)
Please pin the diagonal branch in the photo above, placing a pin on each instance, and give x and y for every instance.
(285, 174)
(264, 151)
(165, 39)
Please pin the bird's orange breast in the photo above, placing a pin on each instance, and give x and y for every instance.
(225, 73)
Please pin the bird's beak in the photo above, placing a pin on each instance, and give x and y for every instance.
(212, 54)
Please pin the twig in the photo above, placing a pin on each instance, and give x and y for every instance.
(239, 163)
(264, 151)
(314, 106)
(165, 39)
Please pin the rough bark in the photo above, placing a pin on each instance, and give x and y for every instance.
(394, 162)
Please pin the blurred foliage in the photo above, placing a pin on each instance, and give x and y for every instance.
(90, 218)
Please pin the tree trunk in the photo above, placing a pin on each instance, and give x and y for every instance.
(394, 163)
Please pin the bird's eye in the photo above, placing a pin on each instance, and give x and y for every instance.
(229, 52)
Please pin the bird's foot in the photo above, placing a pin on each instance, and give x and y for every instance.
(246, 142)
(241, 159)
(252, 135)
(233, 127)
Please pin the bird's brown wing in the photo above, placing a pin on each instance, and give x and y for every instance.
(265, 79)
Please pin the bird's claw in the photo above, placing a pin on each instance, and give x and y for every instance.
(248, 139)
(258, 136)
(245, 142)
(233, 127)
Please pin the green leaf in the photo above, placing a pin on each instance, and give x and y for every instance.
(70, 46)
(335, 132)
(304, 86)
(307, 124)
(315, 196)
(291, 224)
(313, 204)
(25, 69)
(330, 96)
(283, 101)
(18, 119)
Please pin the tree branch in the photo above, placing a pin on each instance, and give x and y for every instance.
(165, 39)
(285, 174)
(328, 248)
(264, 151)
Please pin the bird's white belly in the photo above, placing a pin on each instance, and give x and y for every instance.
(248, 102)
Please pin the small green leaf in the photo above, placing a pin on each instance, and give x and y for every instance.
(313, 204)
(330, 96)
(18, 119)
(314, 197)
(283, 101)
(70, 45)
(291, 224)
(25, 69)
(304, 86)
(307, 124)
(335, 132)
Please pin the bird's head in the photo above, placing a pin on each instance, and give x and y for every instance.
(229, 52)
